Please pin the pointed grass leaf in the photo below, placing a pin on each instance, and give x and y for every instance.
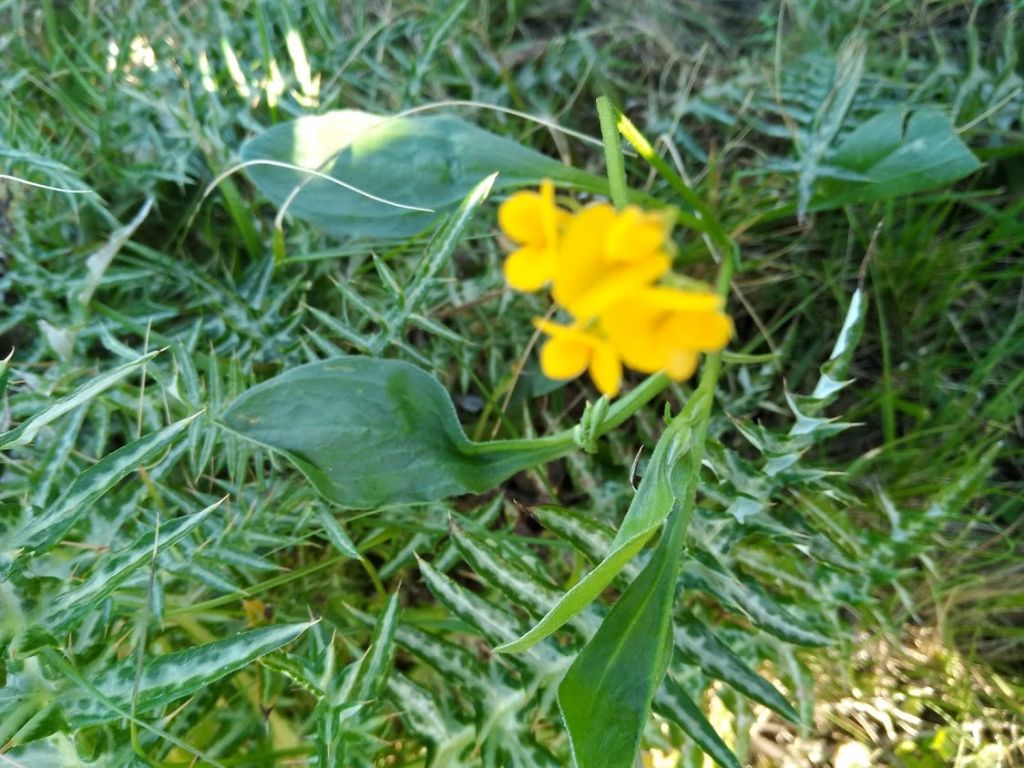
(673, 703)
(895, 154)
(69, 607)
(514, 580)
(606, 695)
(587, 534)
(377, 662)
(399, 165)
(718, 660)
(43, 531)
(834, 371)
(492, 621)
(650, 506)
(25, 433)
(172, 676)
(369, 433)
(336, 534)
(747, 598)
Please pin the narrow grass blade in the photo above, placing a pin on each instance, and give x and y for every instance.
(25, 433)
(717, 660)
(174, 675)
(675, 704)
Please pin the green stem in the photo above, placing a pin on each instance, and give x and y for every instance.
(710, 222)
(613, 152)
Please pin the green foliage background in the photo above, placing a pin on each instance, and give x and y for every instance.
(161, 576)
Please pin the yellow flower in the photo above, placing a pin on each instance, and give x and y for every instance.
(571, 350)
(607, 255)
(662, 328)
(533, 222)
(603, 266)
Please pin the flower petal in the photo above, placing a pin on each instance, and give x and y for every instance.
(581, 256)
(606, 370)
(677, 300)
(638, 234)
(562, 359)
(681, 365)
(696, 331)
(631, 329)
(528, 268)
(521, 217)
(617, 285)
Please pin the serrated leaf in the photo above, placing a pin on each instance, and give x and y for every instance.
(69, 607)
(41, 532)
(674, 703)
(172, 676)
(717, 660)
(587, 535)
(491, 621)
(421, 712)
(746, 597)
(517, 582)
(377, 662)
(25, 433)
(370, 433)
(834, 371)
(420, 161)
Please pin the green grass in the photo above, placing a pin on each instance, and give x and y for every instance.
(133, 103)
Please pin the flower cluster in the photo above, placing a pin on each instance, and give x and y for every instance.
(608, 270)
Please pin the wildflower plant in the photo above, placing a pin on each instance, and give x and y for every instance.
(698, 585)
(373, 433)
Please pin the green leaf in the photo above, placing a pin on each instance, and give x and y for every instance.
(746, 597)
(717, 660)
(833, 372)
(588, 535)
(675, 704)
(515, 580)
(172, 676)
(336, 534)
(606, 694)
(67, 608)
(25, 433)
(894, 154)
(377, 662)
(371, 433)
(652, 503)
(41, 532)
(429, 162)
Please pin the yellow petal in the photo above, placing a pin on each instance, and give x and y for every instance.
(606, 370)
(528, 268)
(521, 217)
(632, 328)
(696, 331)
(617, 285)
(562, 358)
(637, 234)
(549, 212)
(572, 332)
(581, 255)
(681, 365)
(676, 300)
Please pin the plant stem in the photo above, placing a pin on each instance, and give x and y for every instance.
(613, 152)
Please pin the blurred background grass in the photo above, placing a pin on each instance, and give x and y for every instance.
(134, 102)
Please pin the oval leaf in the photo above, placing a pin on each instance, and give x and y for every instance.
(371, 433)
(399, 164)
